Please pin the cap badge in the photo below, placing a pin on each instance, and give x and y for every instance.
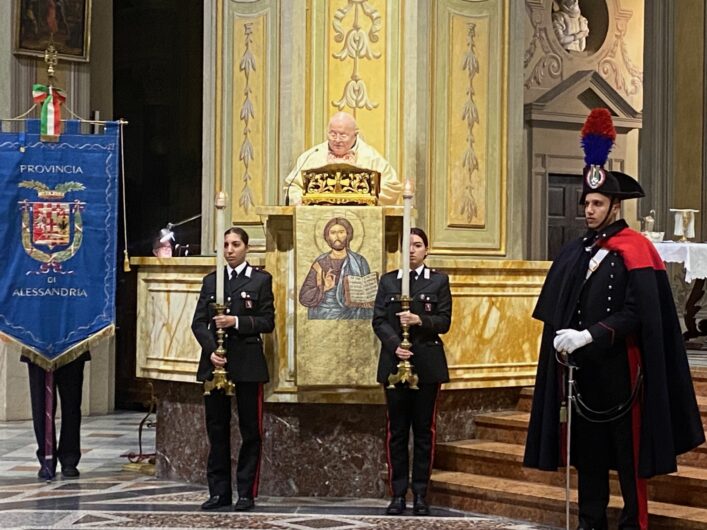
(595, 177)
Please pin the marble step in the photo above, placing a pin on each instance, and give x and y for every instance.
(697, 457)
(699, 380)
(481, 457)
(509, 426)
(542, 503)
(702, 404)
(525, 401)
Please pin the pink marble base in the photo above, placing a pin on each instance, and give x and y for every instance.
(309, 449)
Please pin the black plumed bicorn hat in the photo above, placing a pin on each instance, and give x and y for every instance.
(598, 136)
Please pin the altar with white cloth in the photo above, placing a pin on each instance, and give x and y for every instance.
(693, 256)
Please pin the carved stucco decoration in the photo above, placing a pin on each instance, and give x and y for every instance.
(357, 45)
(247, 113)
(613, 64)
(470, 115)
(546, 61)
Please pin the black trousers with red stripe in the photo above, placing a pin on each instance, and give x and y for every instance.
(68, 380)
(217, 406)
(411, 409)
(600, 447)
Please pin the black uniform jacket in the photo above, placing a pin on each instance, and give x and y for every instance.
(249, 297)
(626, 299)
(432, 301)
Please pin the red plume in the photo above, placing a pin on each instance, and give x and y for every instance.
(599, 122)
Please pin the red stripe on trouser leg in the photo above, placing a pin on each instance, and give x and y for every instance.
(49, 422)
(256, 481)
(387, 447)
(634, 358)
(433, 430)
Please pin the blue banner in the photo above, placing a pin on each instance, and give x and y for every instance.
(58, 227)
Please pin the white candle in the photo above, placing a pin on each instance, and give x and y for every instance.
(220, 229)
(405, 250)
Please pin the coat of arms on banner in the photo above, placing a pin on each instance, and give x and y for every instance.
(52, 231)
(57, 294)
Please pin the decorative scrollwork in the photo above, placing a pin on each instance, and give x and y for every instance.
(617, 61)
(340, 184)
(549, 64)
(356, 46)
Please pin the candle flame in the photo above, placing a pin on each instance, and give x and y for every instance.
(408, 189)
(220, 201)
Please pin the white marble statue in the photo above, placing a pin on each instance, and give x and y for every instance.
(571, 28)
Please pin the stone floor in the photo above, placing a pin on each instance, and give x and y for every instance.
(108, 497)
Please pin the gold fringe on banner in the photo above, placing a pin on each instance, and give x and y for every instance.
(67, 356)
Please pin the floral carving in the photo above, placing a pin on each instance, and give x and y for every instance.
(357, 45)
(470, 115)
(247, 114)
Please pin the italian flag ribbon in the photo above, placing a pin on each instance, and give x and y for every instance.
(51, 99)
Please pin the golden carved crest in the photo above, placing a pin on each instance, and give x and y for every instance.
(340, 184)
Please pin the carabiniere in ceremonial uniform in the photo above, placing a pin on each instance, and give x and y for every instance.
(249, 298)
(430, 315)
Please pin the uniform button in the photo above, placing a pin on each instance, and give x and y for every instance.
(580, 322)
(579, 311)
(608, 310)
(609, 298)
(228, 310)
(611, 275)
(610, 287)
(613, 264)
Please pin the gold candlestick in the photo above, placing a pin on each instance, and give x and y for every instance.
(405, 373)
(220, 380)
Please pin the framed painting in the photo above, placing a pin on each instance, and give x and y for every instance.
(64, 23)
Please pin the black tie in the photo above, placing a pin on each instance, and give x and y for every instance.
(413, 276)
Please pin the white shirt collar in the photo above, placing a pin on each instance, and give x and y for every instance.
(238, 269)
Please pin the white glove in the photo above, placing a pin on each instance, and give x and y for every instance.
(569, 340)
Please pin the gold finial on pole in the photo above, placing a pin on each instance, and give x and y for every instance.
(51, 58)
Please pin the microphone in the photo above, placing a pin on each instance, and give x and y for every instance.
(287, 191)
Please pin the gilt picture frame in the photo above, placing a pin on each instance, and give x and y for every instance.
(64, 23)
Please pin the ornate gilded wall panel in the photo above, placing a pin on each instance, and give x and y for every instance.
(246, 110)
(468, 91)
(354, 67)
(467, 202)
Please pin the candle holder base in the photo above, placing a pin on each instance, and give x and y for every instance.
(405, 375)
(220, 380)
